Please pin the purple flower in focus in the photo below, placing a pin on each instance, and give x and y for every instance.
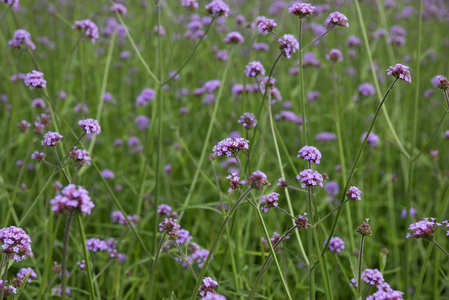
(336, 244)
(257, 179)
(288, 45)
(71, 200)
(218, 8)
(301, 9)
(235, 182)
(365, 229)
(91, 29)
(265, 25)
(24, 272)
(270, 201)
(254, 68)
(248, 120)
(301, 221)
(443, 83)
(283, 183)
(400, 71)
(51, 139)
(423, 229)
(35, 79)
(372, 277)
(373, 139)
(38, 156)
(230, 147)
(354, 193)
(20, 38)
(207, 288)
(80, 156)
(337, 19)
(90, 126)
(310, 154)
(15, 243)
(309, 177)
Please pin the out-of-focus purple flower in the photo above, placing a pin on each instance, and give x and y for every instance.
(159, 30)
(309, 177)
(20, 38)
(372, 277)
(107, 174)
(258, 179)
(269, 201)
(334, 55)
(82, 265)
(23, 125)
(7, 289)
(71, 200)
(354, 193)
(283, 183)
(213, 297)
(254, 68)
(289, 116)
(331, 188)
(310, 154)
(80, 156)
(404, 213)
(265, 25)
(248, 120)
(386, 295)
(211, 85)
(325, 136)
(400, 71)
(230, 147)
(38, 103)
(234, 37)
(336, 244)
(15, 243)
(145, 97)
(35, 79)
(218, 8)
(24, 272)
(96, 245)
(337, 19)
(353, 41)
(373, 139)
(301, 9)
(51, 139)
(366, 89)
(190, 3)
(288, 45)
(434, 153)
(183, 236)
(200, 256)
(118, 217)
(91, 29)
(90, 126)
(163, 209)
(310, 59)
(313, 95)
(143, 122)
(207, 287)
(301, 221)
(119, 8)
(423, 229)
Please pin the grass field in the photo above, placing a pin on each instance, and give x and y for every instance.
(204, 107)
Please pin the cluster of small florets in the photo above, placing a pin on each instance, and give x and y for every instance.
(23, 126)
(143, 122)
(258, 179)
(118, 217)
(145, 96)
(373, 139)
(325, 136)
(166, 210)
(337, 19)
(38, 156)
(334, 55)
(301, 221)
(265, 25)
(80, 156)
(248, 120)
(443, 83)
(107, 174)
(354, 193)
(336, 244)
(365, 229)
(400, 71)
(310, 177)
(269, 201)
(213, 297)
(310, 153)
(190, 3)
(71, 200)
(7, 289)
(234, 37)
(15, 243)
(230, 147)
(119, 8)
(90, 28)
(171, 227)
(301, 9)
(366, 89)
(283, 183)
(288, 45)
(218, 8)
(35, 79)
(90, 126)
(372, 277)
(20, 38)
(95, 245)
(207, 287)
(51, 139)
(235, 182)
(24, 272)
(254, 68)
(386, 295)
(423, 229)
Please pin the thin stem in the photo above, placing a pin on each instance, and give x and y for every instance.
(367, 292)
(359, 280)
(50, 164)
(89, 268)
(439, 247)
(5, 11)
(184, 258)
(326, 216)
(284, 212)
(417, 292)
(282, 38)
(153, 267)
(60, 164)
(302, 102)
(318, 38)
(434, 135)
(6, 263)
(296, 189)
(103, 270)
(64, 256)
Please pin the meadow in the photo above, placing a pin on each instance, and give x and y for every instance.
(197, 149)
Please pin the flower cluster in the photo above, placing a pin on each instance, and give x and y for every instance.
(95, 245)
(38, 156)
(90, 126)
(207, 287)
(90, 28)
(265, 25)
(443, 83)
(24, 272)
(301, 221)
(230, 147)
(107, 174)
(336, 244)
(118, 217)
(301, 9)
(171, 227)
(80, 156)
(51, 139)
(354, 193)
(366, 89)
(254, 68)
(288, 45)
(190, 3)
(283, 183)
(400, 71)
(423, 229)
(234, 37)
(372, 277)
(145, 96)
(365, 229)
(235, 182)
(309, 177)
(20, 38)
(270, 200)
(334, 55)
(373, 139)
(119, 8)
(7, 289)
(218, 8)
(248, 120)
(35, 79)
(15, 243)
(166, 210)
(310, 153)
(257, 179)
(71, 200)
(337, 19)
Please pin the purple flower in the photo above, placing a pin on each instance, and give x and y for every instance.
(310, 153)
(301, 221)
(334, 55)
(38, 156)
(23, 125)
(257, 179)
(265, 25)
(234, 37)
(309, 177)
(190, 3)
(443, 83)
(354, 193)
(254, 68)
(35, 79)
(107, 174)
(325, 136)
(207, 288)
(400, 71)
(183, 236)
(143, 122)
(423, 229)
(372, 277)
(301, 9)
(230, 147)
(283, 183)
(20, 38)
(90, 126)
(412, 213)
(289, 116)
(261, 47)
(159, 30)
(169, 225)
(337, 19)
(82, 265)
(145, 96)
(336, 244)
(235, 182)
(218, 8)
(8, 289)
(386, 295)
(118, 217)
(51, 139)
(119, 8)
(211, 85)
(200, 256)
(38, 103)
(365, 229)
(15, 243)
(373, 139)
(366, 89)
(163, 209)
(310, 59)
(96, 245)
(80, 156)
(213, 297)
(288, 45)
(248, 120)
(24, 272)
(90, 28)
(71, 200)
(313, 95)
(270, 201)
(353, 41)
(331, 188)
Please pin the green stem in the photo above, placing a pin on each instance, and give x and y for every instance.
(432, 139)
(90, 281)
(318, 38)
(302, 102)
(5, 262)
(417, 292)
(326, 216)
(64, 256)
(439, 247)
(153, 268)
(184, 258)
(359, 274)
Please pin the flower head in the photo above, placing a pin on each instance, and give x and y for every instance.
(90, 126)
(207, 287)
(283, 183)
(309, 177)
(443, 83)
(373, 139)
(400, 71)
(423, 229)
(230, 147)
(288, 45)
(354, 193)
(80, 156)
(118, 217)
(15, 243)
(71, 200)
(332, 188)
(119, 8)
(35, 79)
(38, 156)
(235, 182)
(364, 229)
(234, 37)
(24, 272)
(90, 28)
(20, 38)
(51, 139)
(270, 200)
(310, 153)
(257, 179)
(96, 245)
(336, 244)
(265, 25)
(337, 19)
(301, 221)
(218, 8)
(171, 227)
(366, 89)
(145, 96)
(254, 68)
(301, 9)
(372, 277)
(248, 120)
(107, 174)
(334, 55)
(7, 289)
(190, 3)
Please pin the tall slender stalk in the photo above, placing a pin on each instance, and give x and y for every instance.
(153, 267)
(302, 101)
(64, 256)
(359, 274)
